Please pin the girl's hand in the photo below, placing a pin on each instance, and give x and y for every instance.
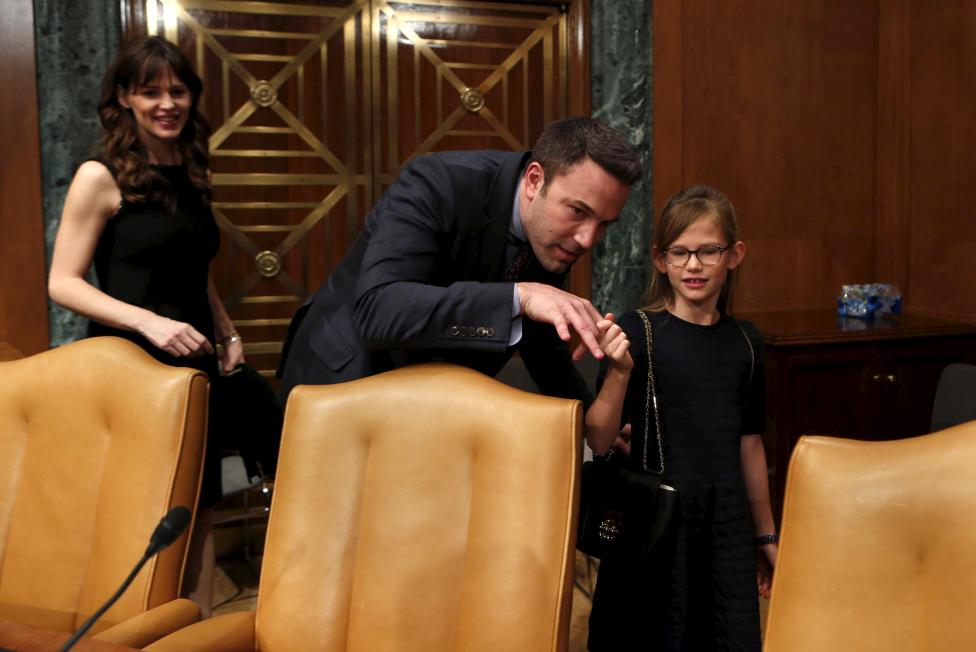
(765, 563)
(622, 443)
(233, 355)
(175, 337)
(615, 344)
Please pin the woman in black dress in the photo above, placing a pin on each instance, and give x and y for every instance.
(700, 589)
(140, 211)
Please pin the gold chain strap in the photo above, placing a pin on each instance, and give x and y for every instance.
(650, 396)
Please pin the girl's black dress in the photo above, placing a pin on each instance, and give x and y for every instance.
(158, 259)
(699, 593)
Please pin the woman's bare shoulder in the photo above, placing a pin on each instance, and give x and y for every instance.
(94, 186)
(95, 173)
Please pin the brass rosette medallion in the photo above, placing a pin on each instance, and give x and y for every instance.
(268, 264)
(264, 94)
(472, 99)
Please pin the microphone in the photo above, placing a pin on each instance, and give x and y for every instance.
(169, 530)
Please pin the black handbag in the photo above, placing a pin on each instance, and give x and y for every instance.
(250, 418)
(625, 510)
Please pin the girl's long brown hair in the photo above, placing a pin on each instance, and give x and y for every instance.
(138, 63)
(680, 212)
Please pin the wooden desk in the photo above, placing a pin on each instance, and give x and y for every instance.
(25, 638)
(828, 375)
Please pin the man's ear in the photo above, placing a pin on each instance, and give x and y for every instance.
(123, 97)
(659, 262)
(737, 253)
(535, 178)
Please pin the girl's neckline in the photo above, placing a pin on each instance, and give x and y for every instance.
(715, 324)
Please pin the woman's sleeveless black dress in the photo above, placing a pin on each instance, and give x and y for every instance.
(159, 259)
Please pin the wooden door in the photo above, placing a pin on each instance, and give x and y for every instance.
(316, 105)
(23, 291)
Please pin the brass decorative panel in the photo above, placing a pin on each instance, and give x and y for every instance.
(464, 75)
(285, 96)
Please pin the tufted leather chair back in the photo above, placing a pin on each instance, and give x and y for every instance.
(97, 441)
(427, 508)
(878, 550)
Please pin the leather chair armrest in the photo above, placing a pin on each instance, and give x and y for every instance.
(233, 632)
(152, 625)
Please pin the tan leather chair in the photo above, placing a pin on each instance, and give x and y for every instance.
(878, 550)
(98, 441)
(428, 508)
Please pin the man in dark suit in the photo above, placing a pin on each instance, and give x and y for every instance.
(462, 260)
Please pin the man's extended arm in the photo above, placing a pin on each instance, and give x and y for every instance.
(415, 288)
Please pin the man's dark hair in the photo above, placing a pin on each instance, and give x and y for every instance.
(565, 143)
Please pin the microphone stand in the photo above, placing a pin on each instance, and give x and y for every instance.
(169, 529)
(115, 596)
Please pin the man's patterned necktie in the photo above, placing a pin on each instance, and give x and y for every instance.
(521, 261)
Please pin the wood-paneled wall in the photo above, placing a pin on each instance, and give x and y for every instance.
(23, 294)
(842, 131)
(941, 161)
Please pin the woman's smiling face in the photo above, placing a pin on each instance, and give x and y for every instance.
(161, 108)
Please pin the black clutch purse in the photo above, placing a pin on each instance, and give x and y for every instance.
(625, 510)
(250, 418)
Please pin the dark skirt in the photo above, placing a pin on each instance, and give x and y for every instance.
(696, 594)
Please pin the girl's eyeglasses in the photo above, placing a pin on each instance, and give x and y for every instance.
(707, 255)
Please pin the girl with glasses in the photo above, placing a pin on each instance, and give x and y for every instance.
(699, 589)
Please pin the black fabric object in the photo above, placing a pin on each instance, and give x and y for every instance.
(158, 259)
(698, 593)
(251, 418)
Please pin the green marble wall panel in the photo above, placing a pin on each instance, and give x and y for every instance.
(76, 40)
(620, 95)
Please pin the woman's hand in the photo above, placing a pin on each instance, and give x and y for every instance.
(765, 563)
(232, 348)
(175, 337)
(232, 354)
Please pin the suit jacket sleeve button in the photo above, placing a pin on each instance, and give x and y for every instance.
(482, 331)
(472, 331)
(454, 330)
(490, 331)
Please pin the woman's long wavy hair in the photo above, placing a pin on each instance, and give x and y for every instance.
(680, 212)
(138, 63)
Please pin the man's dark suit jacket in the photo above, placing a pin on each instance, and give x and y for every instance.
(425, 281)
